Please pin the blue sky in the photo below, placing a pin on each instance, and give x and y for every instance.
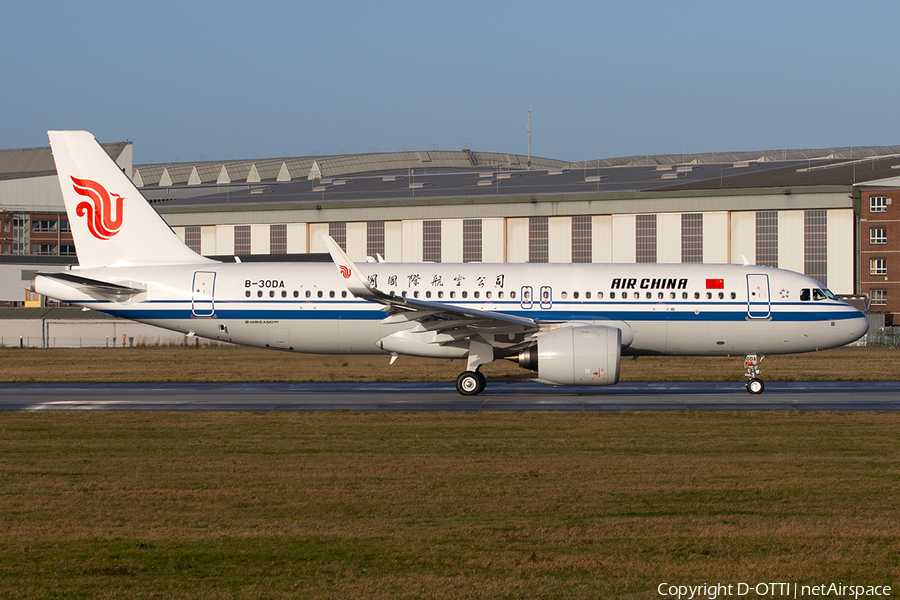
(218, 79)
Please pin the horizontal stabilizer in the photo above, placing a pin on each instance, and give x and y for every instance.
(115, 291)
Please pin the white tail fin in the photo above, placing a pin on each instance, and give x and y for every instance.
(112, 224)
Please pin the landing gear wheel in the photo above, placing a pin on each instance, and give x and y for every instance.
(755, 386)
(470, 383)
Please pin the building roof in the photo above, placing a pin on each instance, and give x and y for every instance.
(33, 162)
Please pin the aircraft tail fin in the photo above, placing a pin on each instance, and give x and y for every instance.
(112, 224)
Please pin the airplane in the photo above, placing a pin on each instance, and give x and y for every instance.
(571, 323)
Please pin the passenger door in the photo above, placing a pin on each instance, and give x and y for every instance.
(758, 303)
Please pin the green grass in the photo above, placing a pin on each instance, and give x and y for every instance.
(436, 505)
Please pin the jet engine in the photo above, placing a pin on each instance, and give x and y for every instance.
(579, 355)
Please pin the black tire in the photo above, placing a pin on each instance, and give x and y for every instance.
(755, 386)
(470, 383)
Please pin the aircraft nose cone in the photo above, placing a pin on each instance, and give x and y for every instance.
(857, 327)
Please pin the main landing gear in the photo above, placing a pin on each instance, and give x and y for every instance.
(755, 385)
(470, 383)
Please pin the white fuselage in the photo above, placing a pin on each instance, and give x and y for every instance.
(661, 309)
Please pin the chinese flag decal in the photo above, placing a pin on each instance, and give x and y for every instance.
(715, 284)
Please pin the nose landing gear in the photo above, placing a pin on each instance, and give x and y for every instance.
(755, 385)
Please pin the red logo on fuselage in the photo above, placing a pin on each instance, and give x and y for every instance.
(100, 220)
(345, 272)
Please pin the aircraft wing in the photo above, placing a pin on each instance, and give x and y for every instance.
(436, 317)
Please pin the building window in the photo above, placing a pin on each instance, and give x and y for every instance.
(878, 203)
(645, 238)
(767, 238)
(278, 238)
(338, 232)
(21, 233)
(581, 239)
(692, 238)
(877, 266)
(878, 297)
(242, 240)
(431, 241)
(375, 238)
(67, 250)
(43, 226)
(471, 240)
(43, 249)
(538, 239)
(877, 235)
(64, 226)
(192, 238)
(815, 245)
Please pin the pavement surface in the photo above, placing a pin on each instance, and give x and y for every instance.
(413, 397)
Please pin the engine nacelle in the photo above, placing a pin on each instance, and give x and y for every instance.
(579, 355)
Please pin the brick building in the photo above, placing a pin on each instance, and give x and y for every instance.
(879, 251)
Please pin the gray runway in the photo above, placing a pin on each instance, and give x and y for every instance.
(408, 397)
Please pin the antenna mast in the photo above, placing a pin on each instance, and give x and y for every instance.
(529, 138)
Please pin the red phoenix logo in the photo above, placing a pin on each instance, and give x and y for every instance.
(345, 272)
(100, 220)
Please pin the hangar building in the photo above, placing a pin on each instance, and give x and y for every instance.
(828, 213)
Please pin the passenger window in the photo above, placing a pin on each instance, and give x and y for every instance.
(416, 294)
(709, 295)
(587, 295)
(331, 294)
(564, 295)
(440, 294)
(465, 294)
(575, 295)
(696, 295)
(721, 295)
(403, 294)
(283, 293)
(247, 293)
(804, 295)
(271, 293)
(733, 295)
(684, 295)
(512, 295)
(452, 294)
(344, 294)
(428, 294)
(649, 295)
(320, 293)
(661, 295)
(476, 294)
(296, 294)
(672, 295)
(259, 294)
(487, 294)
(599, 295)
(308, 293)
(500, 295)
(612, 295)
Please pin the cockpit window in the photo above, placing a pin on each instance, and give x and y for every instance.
(804, 295)
(823, 294)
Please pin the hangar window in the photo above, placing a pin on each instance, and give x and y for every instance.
(471, 240)
(375, 238)
(767, 238)
(538, 240)
(645, 238)
(815, 244)
(338, 232)
(692, 238)
(431, 241)
(278, 238)
(242, 240)
(878, 297)
(877, 235)
(878, 266)
(192, 237)
(878, 203)
(581, 239)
